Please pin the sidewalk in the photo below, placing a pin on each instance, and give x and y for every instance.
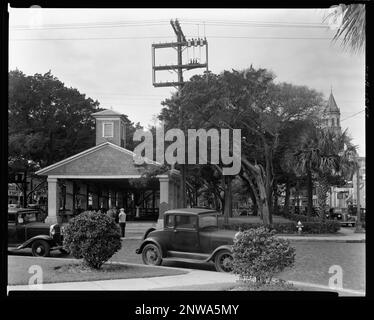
(344, 235)
(196, 280)
(193, 277)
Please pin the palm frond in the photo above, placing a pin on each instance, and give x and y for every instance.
(352, 28)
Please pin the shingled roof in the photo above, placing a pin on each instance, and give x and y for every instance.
(107, 112)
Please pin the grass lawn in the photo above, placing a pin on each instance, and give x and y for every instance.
(64, 270)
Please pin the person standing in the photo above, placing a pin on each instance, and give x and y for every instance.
(122, 221)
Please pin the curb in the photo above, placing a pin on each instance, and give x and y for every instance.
(324, 240)
(323, 287)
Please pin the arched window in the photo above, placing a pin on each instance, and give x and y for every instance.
(337, 122)
(333, 122)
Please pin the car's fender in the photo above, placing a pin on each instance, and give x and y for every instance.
(147, 232)
(225, 247)
(29, 242)
(154, 241)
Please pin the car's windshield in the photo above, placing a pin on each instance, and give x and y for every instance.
(206, 221)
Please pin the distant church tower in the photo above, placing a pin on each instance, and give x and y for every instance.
(331, 115)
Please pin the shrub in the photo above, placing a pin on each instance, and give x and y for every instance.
(258, 255)
(93, 237)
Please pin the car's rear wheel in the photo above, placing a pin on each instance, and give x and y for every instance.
(223, 261)
(40, 248)
(151, 255)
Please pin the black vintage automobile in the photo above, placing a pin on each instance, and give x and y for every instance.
(189, 235)
(26, 230)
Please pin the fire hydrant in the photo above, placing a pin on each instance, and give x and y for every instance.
(299, 227)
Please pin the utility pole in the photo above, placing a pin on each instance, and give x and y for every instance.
(181, 44)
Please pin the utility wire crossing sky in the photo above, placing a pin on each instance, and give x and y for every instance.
(106, 54)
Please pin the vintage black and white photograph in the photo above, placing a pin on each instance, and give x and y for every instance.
(215, 149)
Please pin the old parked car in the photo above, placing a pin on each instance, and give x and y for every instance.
(25, 230)
(343, 217)
(189, 235)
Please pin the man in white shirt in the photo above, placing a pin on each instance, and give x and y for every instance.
(122, 221)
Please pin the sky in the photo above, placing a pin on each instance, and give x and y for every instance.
(106, 53)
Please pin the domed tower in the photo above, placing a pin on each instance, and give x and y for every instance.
(332, 115)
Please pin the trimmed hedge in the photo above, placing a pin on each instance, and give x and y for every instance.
(314, 227)
(93, 237)
(258, 255)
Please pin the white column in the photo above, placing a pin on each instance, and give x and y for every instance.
(171, 194)
(53, 200)
(164, 200)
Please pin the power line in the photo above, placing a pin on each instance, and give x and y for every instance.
(153, 37)
(249, 21)
(91, 38)
(352, 115)
(92, 25)
(262, 25)
(165, 22)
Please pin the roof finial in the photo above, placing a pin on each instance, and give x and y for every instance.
(331, 89)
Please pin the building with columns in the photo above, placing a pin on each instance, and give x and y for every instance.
(106, 175)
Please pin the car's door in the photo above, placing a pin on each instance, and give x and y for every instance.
(186, 236)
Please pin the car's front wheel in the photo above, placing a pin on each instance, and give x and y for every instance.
(223, 261)
(151, 255)
(40, 248)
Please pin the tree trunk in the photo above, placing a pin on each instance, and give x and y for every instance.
(322, 190)
(257, 173)
(297, 191)
(253, 195)
(275, 198)
(266, 215)
(309, 193)
(228, 198)
(268, 177)
(286, 207)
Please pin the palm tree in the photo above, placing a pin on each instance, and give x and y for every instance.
(323, 155)
(337, 159)
(352, 26)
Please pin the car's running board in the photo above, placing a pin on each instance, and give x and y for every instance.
(185, 260)
(184, 256)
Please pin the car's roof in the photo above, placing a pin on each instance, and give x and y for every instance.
(190, 211)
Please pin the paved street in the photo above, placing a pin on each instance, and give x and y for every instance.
(313, 260)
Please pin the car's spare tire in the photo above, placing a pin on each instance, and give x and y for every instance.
(40, 248)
